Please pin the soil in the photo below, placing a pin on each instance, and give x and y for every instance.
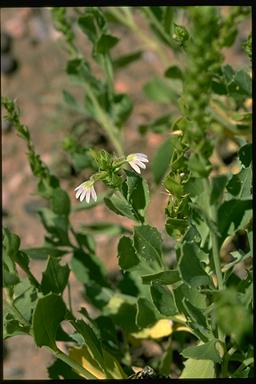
(37, 85)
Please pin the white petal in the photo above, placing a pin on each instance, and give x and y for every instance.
(83, 194)
(79, 186)
(134, 166)
(140, 164)
(78, 193)
(144, 160)
(93, 193)
(88, 195)
(141, 155)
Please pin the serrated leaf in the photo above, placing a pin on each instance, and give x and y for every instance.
(165, 277)
(118, 204)
(148, 244)
(146, 315)
(232, 212)
(190, 268)
(196, 298)
(206, 351)
(198, 369)
(55, 277)
(126, 253)
(88, 268)
(48, 314)
(245, 154)
(163, 299)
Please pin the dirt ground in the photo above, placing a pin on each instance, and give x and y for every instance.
(37, 86)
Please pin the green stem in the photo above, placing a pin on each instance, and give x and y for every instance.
(224, 367)
(214, 240)
(111, 130)
(73, 364)
(127, 19)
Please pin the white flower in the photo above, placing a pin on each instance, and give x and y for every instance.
(137, 160)
(86, 190)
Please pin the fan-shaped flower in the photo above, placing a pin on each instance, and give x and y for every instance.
(137, 160)
(86, 190)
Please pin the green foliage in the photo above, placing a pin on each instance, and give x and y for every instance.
(205, 289)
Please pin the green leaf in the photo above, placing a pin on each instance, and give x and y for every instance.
(145, 313)
(56, 225)
(217, 190)
(194, 186)
(245, 155)
(118, 204)
(198, 369)
(11, 243)
(59, 370)
(109, 229)
(127, 257)
(124, 60)
(190, 268)
(121, 108)
(240, 184)
(60, 202)
(196, 298)
(162, 158)
(12, 327)
(148, 244)
(241, 84)
(123, 310)
(199, 165)
(42, 253)
(48, 314)
(55, 277)
(138, 192)
(86, 23)
(158, 90)
(24, 298)
(207, 351)
(231, 215)
(234, 318)
(88, 268)
(164, 278)
(71, 102)
(159, 125)
(90, 340)
(174, 72)
(163, 299)
(105, 43)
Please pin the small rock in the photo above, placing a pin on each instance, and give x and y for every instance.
(6, 126)
(8, 64)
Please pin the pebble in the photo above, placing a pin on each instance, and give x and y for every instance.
(8, 64)
(6, 126)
